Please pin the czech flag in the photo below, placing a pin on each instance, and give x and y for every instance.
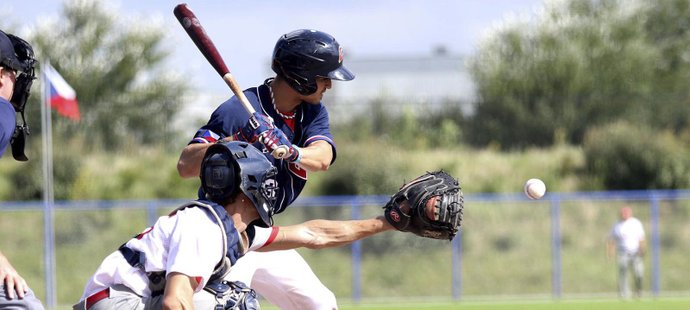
(61, 96)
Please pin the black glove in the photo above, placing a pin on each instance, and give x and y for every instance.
(429, 206)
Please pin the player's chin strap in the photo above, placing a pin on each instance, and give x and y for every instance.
(18, 140)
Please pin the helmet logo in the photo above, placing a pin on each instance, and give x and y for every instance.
(340, 54)
(270, 187)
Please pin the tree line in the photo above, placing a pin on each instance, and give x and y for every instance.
(611, 76)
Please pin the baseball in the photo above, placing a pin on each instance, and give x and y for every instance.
(535, 188)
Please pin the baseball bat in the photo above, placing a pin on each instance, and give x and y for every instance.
(203, 42)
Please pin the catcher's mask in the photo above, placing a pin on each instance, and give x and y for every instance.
(231, 166)
(17, 54)
(303, 55)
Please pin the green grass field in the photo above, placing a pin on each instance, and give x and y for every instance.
(644, 304)
(595, 304)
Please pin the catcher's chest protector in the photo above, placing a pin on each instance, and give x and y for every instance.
(234, 248)
(232, 243)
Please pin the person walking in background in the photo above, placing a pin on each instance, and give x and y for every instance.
(628, 239)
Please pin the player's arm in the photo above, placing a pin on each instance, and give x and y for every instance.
(179, 291)
(643, 247)
(317, 156)
(318, 234)
(11, 280)
(189, 164)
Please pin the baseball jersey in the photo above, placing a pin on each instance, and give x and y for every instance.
(188, 241)
(311, 124)
(628, 235)
(8, 120)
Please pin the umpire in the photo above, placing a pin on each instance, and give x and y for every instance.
(16, 75)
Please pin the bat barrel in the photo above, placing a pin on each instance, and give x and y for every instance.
(203, 42)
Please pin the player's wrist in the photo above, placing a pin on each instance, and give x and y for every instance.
(295, 154)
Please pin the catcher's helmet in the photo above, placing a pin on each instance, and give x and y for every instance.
(231, 166)
(302, 55)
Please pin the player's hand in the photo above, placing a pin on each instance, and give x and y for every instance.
(11, 280)
(256, 125)
(274, 138)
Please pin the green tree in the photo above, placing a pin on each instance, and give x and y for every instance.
(116, 65)
(625, 156)
(582, 63)
(127, 97)
(667, 27)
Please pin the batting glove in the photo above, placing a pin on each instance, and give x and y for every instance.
(251, 131)
(275, 138)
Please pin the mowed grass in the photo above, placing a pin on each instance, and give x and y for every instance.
(644, 304)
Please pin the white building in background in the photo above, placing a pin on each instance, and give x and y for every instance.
(415, 82)
(424, 81)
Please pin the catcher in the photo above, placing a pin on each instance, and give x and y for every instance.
(180, 262)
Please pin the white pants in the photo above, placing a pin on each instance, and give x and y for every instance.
(284, 279)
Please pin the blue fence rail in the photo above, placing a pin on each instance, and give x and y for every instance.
(356, 203)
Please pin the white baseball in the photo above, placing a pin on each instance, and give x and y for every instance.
(535, 188)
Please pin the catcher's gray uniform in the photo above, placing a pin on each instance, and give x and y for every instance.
(122, 297)
(28, 302)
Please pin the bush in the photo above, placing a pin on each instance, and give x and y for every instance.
(626, 156)
(362, 170)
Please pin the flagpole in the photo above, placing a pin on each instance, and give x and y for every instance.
(48, 195)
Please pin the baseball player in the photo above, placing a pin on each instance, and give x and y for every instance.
(180, 261)
(289, 113)
(628, 238)
(16, 76)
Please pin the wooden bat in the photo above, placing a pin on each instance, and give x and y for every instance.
(202, 41)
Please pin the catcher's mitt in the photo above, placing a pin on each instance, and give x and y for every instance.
(429, 206)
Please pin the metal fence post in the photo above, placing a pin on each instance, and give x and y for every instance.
(457, 265)
(356, 258)
(654, 206)
(49, 254)
(151, 215)
(555, 247)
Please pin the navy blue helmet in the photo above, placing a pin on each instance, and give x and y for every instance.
(8, 57)
(303, 55)
(228, 167)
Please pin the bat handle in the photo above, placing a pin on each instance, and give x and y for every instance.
(280, 152)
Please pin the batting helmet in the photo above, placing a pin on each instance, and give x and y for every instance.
(231, 166)
(303, 55)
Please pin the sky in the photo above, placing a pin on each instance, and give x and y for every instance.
(245, 31)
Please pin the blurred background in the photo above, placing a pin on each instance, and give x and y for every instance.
(591, 96)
